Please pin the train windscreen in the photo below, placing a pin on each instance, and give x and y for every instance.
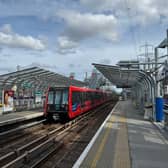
(58, 100)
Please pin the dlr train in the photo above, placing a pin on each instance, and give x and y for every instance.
(65, 103)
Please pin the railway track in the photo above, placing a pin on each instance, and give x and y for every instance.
(34, 153)
(19, 137)
(12, 132)
(73, 147)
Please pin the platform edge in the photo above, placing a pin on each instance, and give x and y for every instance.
(88, 147)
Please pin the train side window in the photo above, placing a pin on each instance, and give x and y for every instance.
(87, 96)
(90, 98)
(98, 95)
(75, 97)
(84, 96)
(93, 96)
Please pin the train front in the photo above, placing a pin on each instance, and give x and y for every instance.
(57, 103)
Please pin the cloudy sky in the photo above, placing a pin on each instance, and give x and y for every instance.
(69, 35)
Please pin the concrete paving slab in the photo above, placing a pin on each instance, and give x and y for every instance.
(148, 147)
(111, 146)
(128, 141)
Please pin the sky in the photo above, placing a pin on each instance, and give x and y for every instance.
(69, 35)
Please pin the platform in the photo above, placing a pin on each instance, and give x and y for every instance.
(126, 140)
(15, 117)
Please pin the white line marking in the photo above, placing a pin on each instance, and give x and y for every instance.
(13, 120)
(85, 152)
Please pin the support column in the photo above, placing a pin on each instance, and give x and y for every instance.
(158, 98)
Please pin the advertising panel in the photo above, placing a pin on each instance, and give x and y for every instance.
(7, 103)
(1, 108)
(1, 105)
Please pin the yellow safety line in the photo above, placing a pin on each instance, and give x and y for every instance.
(121, 159)
(123, 119)
(102, 144)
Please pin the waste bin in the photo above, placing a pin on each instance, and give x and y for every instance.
(159, 109)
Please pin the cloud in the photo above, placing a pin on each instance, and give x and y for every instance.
(40, 8)
(144, 12)
(6, 28)
(7, 55)
(41, 65)
(100, 5)
(43, 9)
(6, 69)
(65, 43)
(1, 49)
(37, 54)
(105, 61)
(2, 60)
(18, 41)
(81, 26)
(65, 51)
(71, 65)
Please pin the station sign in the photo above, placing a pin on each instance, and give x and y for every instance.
(26, 85)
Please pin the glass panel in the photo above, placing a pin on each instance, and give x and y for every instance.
(75, 100)
(65, 97)
(75, 97)
(58, 97)
(58, 100)
(50, 97)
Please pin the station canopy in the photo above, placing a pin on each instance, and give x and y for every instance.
(36, 77)
(163, 44)
(122, 77)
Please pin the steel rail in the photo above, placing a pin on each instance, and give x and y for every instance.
(27, 152)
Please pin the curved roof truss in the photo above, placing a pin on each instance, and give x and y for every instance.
(38, 77)
(124, 78)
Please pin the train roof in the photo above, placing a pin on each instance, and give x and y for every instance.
(57, 87)
(77, 88)
(86, 89)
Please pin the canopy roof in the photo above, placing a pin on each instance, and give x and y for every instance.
(122, 77)
(37, 77)
(163, 44)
